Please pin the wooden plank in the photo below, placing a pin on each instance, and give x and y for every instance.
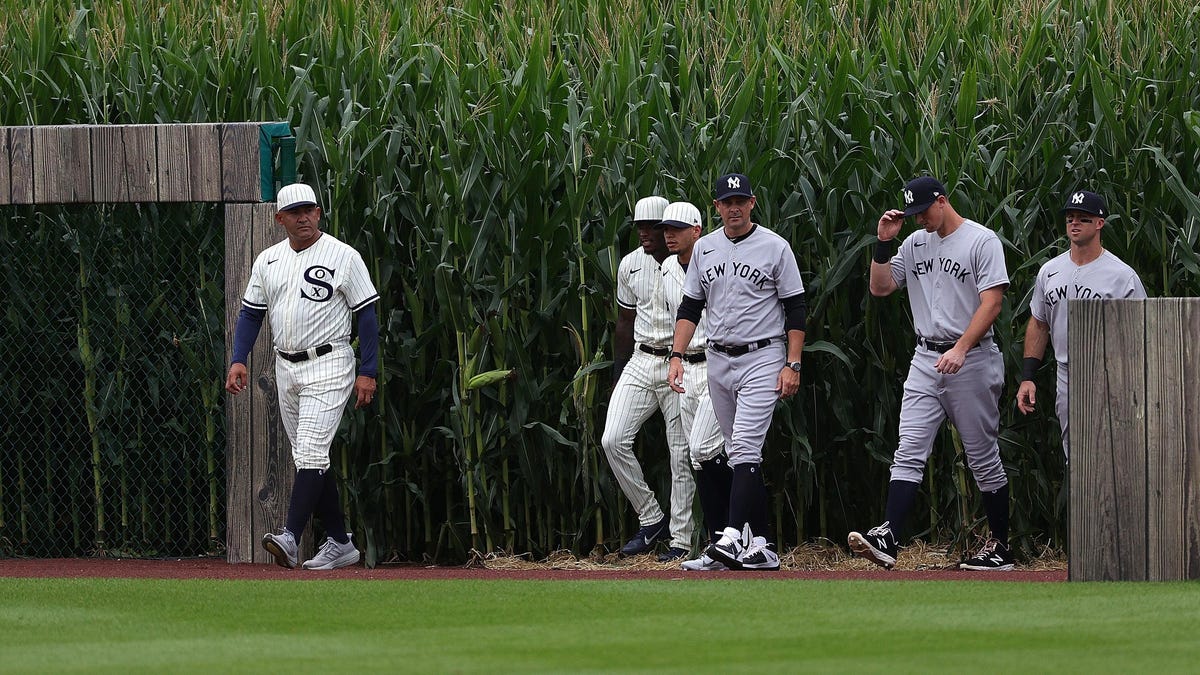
(189, 162)
(1108, 456)
(240, 179)
(124, 163)
(1190, 321)
(20, 148)
(5, 171)
(240, 541)
(1165, 421)
(62, 165)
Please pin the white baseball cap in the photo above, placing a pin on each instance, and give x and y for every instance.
(649, 208)
(293, 196)
(681, 215)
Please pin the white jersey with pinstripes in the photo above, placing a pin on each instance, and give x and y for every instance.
(639, 287)
(945, 276)
(673, 277)
(1061, 279)
(300, 291)
(742, 284)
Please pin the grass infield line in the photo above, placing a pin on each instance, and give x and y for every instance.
(154, 625)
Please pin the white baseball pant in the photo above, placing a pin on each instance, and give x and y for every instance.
(705, 439)
(641, 390)
(312, 398)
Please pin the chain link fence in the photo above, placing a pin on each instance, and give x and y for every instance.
(112, 370)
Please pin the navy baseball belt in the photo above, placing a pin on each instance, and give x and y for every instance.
(738, 350)
(297, 357)
(697, 357)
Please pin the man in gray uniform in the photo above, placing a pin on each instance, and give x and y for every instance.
(1086, 270)
(955, 274)
(748, 278)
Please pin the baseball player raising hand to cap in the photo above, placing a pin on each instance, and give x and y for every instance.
(954, 271)
(310, 285)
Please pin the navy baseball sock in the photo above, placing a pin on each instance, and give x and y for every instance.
(713, 483)
(306, 490)
(901, 496)
(748, 499)
(329, 508)
(995, 504)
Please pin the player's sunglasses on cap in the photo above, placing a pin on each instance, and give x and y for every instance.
(732, 185)
(1088, 202)
(920, 193)
(294, 196)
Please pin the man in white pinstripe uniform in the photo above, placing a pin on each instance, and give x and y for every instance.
(310, 285)
(643, 339)
(681, 228)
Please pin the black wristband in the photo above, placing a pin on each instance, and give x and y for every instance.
(675, 355)
(883, 251)
(1029, 367)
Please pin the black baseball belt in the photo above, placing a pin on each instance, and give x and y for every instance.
(696, 357)
(738, 350)
(297, 357)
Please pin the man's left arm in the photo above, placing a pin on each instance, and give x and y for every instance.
(368, 352)
(795, 316)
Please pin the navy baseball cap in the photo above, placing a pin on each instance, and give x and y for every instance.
(732, 185)
(921, 193)
(1088, 202)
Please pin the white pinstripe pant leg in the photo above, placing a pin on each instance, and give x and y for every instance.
(634, 400)
(705, 439)
(683, 484)
(312, 398)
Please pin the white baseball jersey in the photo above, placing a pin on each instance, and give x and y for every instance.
(945, 276)
(309, 295)
(673, 277)
(1061, 279)
(742, 283)
(639, 287)
(705, 439)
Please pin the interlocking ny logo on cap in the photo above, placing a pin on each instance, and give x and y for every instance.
(908, 197)
(1077, 198)
(734, 182)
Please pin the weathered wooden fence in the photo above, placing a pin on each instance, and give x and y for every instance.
(232, 164)
(1135, 439)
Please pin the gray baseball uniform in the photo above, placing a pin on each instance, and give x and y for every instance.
(642, 389)
(944, 277)
(742, 283)
(705, 439)
(1060, 280)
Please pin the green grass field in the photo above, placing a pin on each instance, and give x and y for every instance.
(663, 626)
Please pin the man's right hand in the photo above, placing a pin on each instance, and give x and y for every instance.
(889, 224)
(675, 375)
(1027, 397)
(236, 380)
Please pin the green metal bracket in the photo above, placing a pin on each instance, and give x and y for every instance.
(276, 137)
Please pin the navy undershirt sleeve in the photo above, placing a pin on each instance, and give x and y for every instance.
(795, 312)
(246, 332)
(690, 309)
(368, 341)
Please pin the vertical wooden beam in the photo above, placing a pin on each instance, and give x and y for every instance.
(124, 163)
(62, 165)
(5, 170)
(239, 532)
(240, 174)
(1108, 453)
(20, 148)
(1190, 477)
(1166, 419)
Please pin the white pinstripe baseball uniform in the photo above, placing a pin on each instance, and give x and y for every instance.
(309, 297)
(705, 439)
(642, 389)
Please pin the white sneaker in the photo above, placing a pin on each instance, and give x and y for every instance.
(283, 547)
(703, 564)
(759, 556)
(730, 547)
(333, 555)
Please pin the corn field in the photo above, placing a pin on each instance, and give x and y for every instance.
(485, 158)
